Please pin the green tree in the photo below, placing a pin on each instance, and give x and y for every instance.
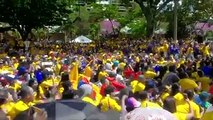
(24, 15)
(151, 9)
(189, 12)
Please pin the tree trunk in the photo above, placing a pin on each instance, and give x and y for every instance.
(150, 14)
(150, 26)
(24, 32)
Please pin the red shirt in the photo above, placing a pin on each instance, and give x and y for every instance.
(102, 91)
(118, 86)
(211, 90)
(128, 73)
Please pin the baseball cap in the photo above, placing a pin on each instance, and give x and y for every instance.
(204, 95)
(132, 103)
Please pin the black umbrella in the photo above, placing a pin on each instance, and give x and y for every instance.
(73, 110)
(68, 110)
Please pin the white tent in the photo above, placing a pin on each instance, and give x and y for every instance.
(81, 39)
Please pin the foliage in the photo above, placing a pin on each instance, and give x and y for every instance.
(27, 14)
(151, 9)
(40, 33)
(137, 28)
(189, 12)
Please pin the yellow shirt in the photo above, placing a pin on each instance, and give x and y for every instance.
(206, 50)
(187, 83)
(207, 116)
(164, 95)
(196, 109)
(180, 116)
(7, 106)
(205, 81)
(109, 103)
(165, 47)
(149, 104)
(181, 104)
(150, 74)
(15, 87)
(19, 107)
(137, 86)
(102, 74)
(57, 68)
(91, 101)
(16, 65)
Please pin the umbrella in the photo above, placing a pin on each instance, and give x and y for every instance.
(82, 39)
(73, 110)
(109, 115)
(149, 114)
(108, 26)
(160, 31)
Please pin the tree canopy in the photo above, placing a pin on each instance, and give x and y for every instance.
(24, 15)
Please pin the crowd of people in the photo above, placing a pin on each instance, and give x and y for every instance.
(120, 75)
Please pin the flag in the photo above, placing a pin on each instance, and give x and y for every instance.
(88, 71)
(74, 75)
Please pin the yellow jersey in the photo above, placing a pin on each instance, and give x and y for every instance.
(109, 103)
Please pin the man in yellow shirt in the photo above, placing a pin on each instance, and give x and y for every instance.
(24, 103)
(143, 96)
(194, 106)
(205, 81)
(187, 83)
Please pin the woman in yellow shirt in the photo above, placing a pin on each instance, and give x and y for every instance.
(86, 94)
(108, 102)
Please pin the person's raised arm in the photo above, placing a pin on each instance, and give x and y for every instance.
(123, 107)
(190, 115)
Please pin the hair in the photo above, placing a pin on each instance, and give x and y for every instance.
(169, 104)
(183, 75)
(2, 101)
(190, 94)
(66, 85)
(143, 95)
(119, 70)
(64, 77)
(24, 92)
(172, 68)
(69, 94)
(123, 92)
(109, 89)
(31, 82)
(200, 73)
(175, 89)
